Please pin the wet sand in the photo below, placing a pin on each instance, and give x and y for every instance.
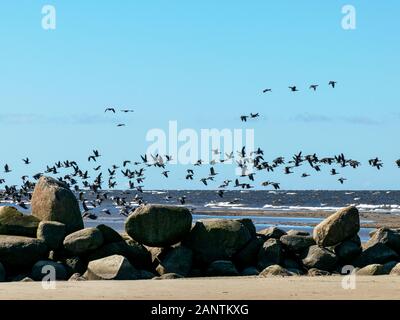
(242, 288)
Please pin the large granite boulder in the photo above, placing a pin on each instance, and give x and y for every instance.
(386, 236)
(248, 223)
(52, 233)
(377, 253)
(297, 244)
(159, 226)
(222, 268)
(109, 234)
(216, 239)
(177, 260)
(248, 255)
(319, 258)
(13, 222)
(396, 270)
(52, 200)
(349, 249)
(44, 268)
(136, 253)
(338, 227)
(371, 270)
(83, 241)
(275, 271)
(18, 252)
(271, 232)
(2, 273)
(114, 267)
(271, 253)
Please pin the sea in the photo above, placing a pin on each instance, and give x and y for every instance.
(253, 204)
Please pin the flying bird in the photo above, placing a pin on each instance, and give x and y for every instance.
(110, 109)
(293, 88)
(332, 83)
(314, 87)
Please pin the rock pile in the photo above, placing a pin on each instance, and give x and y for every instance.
(161, 243)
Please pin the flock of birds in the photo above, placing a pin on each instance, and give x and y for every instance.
(250, 164)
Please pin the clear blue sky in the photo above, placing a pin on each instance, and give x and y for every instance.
(202, 63)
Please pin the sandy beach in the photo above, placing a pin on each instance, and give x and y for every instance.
(243, 288)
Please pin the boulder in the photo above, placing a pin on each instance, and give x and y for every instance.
(137, 254)
(396, 270)
(159, 226)
(145, 275)
(275, 270)
(47, 268)
(52, 200)
(338, 227)
(114, 267)
(52, 233)
(386, 236)
(388, 267)
(320, 258)
(272, 232)
(21, 252)
(2, 273)
(74, 265)
(270, 253)
(76, 277)
(13, 222)
(371, 270)
(222, 268)
(248, 223)
(375, 254)
(109, 234)
(297, 244)
(169, 276)
(293, 232)
(177, 260)
(314, 272)
(82, 241)
(216, 239)
(250, 271)
(349, 249)
(289, 263)
(248, 255)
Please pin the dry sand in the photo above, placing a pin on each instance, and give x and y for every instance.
(243, 288)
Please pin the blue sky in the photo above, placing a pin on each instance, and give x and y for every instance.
(202, 63)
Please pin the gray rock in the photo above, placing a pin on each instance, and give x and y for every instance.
(248, 223)
(222, 268)
(386, 236)
(216, 239)
(2, 273)
(44, 268)
(21, 252)
(13, 222)
(340, 226)
(396, 270)
(274, 271)
(314, 272)
(297, 243)
(137, 254)
(371, 270)
(109, 234)
(145, 274)
(293, 232)
(387, 267)
(320, 258)
(83, 241)
(270, 253)
(114, 267)
(375, 254)
(289, 263)
(248, 255)
(178, 260)
(52, 233)
(52, 200)
(159, 226)
(74, 265)
(348, 250)
(169, 276)
(272, 232)
(250, 271)
(26, 279)
(76, 277)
